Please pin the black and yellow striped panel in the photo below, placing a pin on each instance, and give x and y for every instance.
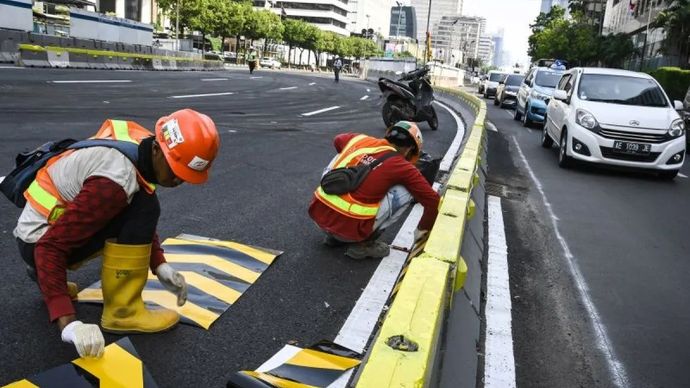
(318, 366)
(217, 273)
(120, 366)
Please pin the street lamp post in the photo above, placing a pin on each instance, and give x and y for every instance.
(177, 27)
(428, 34)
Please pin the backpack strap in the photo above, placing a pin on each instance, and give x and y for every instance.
(380, 160)
(128, 149)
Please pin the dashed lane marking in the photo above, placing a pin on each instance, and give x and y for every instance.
(499, 361)
(603, 342)
(491, 127)
(679, 174)
(289, 88)
(368, 90)
(256, 77)
(320, 111)
(214, 79)
(91, 81)
(511, 115)
(312, 83)
(203, 95)
(364, 98)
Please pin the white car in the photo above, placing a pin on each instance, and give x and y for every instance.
(269, 62)
(616, 117)
(490, 84)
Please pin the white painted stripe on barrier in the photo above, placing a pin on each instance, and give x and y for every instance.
(447, 162)
(361, 322)
(203, 95)
(364, 98)
(616, 368)
(499, 360)
(289, 88)
(92, 81)
(320, 111)
(214, 79)
(682, 175)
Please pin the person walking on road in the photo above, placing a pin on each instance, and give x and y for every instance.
(251, 58)
(337, 67)
(359, 217)
(97, 200)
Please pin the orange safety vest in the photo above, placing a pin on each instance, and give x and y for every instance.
(44, 196)
(356, 149)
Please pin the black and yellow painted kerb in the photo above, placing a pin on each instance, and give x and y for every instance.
(317, 366)
(119, 367)
(217, 273)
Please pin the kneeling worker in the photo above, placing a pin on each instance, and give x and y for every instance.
(360, 216)
(97, 199)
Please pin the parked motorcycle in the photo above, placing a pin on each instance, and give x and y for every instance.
(411, 101)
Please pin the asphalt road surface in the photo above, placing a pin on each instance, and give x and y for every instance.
(270, 162)
(623, 318)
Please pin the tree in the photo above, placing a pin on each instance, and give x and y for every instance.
(615, 49)
(675, 20)
(230, 19)
(262, 24)
(294, 35)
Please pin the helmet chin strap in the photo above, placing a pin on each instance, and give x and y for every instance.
(145, 161)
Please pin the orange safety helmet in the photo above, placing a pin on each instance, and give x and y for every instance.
(190, 143)
(406, 130)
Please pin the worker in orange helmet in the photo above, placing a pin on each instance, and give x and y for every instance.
(98, 200)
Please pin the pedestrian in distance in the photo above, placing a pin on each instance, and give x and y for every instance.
(337, 67)
(251, 58)
(101, 200)
(359, 217)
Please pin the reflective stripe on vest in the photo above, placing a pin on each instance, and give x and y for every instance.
(51, 205)
(345, 204)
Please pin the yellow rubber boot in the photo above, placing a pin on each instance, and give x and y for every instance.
(123, 277)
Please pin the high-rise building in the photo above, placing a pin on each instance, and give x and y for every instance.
(439, 9)
(594, 13)
(403, 22)
(498, 59)
(369, 14)
(546, 5)
(458, 37)
(486, 49)
(328, 15)
(139, 10)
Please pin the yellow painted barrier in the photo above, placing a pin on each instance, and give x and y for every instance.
(105, 53)
(405, 349)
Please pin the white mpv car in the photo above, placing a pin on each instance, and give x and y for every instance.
(616, 117)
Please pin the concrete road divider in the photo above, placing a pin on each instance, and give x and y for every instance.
(430, 334)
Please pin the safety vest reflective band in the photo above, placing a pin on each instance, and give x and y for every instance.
(345, 204)
(44, 196)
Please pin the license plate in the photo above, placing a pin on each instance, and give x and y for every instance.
(632, 148)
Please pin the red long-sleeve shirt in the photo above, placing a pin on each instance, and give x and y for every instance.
(97, 203)
(393, 171)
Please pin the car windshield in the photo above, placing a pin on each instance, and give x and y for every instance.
(624, 90)
(495, 77)
(548, 79)
(514, 80)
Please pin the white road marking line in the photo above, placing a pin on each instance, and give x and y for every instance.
(362, 320)
(364, 98)
(12, 67)
(448, 159)
(256, 77)
(2, 178)
(319, 111)
(312, 83)
(680, 174)
(289, 88)
(368, 90)
(286, 353)
(92, 81)
(214, 79)
(203, 95)
(499, 361)
(616, 368)
(491, 127)
(232, 131)
(511, 115)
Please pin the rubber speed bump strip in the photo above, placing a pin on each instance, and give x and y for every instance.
(317, 366)
(119, 367)
(217, 273)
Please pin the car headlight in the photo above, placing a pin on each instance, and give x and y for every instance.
(511, 93)
(585, 119)
(538, 95)
(677, 128)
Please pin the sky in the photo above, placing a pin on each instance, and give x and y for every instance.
(514, 16)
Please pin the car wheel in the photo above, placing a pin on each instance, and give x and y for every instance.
(564, 161)
(526, 122)
(496, 102)
(433, 122)
(486, 95)
(546, 140)
(668, 175)
(517, 115)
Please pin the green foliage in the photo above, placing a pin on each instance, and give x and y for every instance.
(674, 80)
(675, 21)
(262, 24)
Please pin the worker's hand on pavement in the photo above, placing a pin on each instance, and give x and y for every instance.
(173, 282)
(86, 337)
(420, 235)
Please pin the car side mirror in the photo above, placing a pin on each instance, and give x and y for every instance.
(677, 105)
(561, 95)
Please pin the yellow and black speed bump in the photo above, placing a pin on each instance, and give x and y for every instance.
(217, 273)
(119, 367)
(317, 366)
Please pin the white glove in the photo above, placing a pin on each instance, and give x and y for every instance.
(420, 234)
(173, 281)
(86, 337)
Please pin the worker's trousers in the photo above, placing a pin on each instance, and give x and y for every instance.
(135, 225)
(392, 207)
